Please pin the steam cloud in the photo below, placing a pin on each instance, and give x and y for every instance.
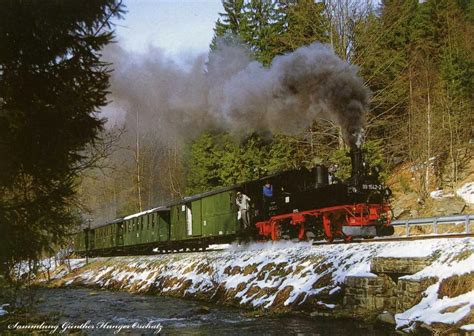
(235, 93)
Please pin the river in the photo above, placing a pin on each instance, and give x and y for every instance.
(101, 312)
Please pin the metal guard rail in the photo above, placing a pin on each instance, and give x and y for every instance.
(435, 221)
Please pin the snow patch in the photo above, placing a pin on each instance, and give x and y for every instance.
(417, 249)
(362, 270)
(468, 327)
(466, 192)
(431, 309)
(437, 194)
(218, 247)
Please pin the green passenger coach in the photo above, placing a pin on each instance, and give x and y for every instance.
(191, 223)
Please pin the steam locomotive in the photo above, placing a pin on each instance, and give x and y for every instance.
(305, 204)
(309, 206)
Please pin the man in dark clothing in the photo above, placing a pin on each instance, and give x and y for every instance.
(267, 198)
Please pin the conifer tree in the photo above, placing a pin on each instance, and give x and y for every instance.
(52, 84)
(204, 164)
(233, 22)
(302, 23)
(263, 27)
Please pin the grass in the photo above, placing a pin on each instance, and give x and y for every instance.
(456, 285)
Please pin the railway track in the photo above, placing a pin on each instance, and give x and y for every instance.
(399, 238)
(358, 241)
(319, 243)
(374, 240)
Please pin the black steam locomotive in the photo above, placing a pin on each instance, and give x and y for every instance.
(313, 204)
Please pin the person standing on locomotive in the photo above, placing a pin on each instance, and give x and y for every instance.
(243, 202)
(267, 192)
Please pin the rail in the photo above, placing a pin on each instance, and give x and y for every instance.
(435, 221)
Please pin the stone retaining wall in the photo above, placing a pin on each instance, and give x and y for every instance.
(387, 290)
(369, 294)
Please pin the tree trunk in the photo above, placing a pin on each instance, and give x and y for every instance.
(410, 116)
(137, 160)
(428, 142)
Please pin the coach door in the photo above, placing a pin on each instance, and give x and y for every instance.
(197, 218)
(189, 219)
(193, 218)
(120, 228)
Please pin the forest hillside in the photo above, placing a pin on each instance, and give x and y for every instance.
(416, 62)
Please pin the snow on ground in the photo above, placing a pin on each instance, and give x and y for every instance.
(417, 249)
(282, 275)
(431, 308)
(466, 192)
(218, 247)
(440, 194)
(468, 327)
(56, 268)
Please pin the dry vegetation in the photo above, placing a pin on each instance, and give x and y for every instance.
(456, 285)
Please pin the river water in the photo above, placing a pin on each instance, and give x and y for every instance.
(102, 312)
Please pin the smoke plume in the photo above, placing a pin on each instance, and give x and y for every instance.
(233, 92)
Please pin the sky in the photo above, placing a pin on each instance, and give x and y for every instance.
(179, 27)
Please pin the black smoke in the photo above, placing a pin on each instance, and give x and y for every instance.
(231, 91)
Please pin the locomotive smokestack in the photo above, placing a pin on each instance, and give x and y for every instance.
(356, 161)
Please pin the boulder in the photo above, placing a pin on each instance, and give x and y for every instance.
(386, 318)
(448, 206)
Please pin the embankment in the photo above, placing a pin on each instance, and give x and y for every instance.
(412, 284)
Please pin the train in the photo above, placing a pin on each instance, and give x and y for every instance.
(303, 204)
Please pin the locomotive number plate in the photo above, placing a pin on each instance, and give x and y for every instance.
(372, 187)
